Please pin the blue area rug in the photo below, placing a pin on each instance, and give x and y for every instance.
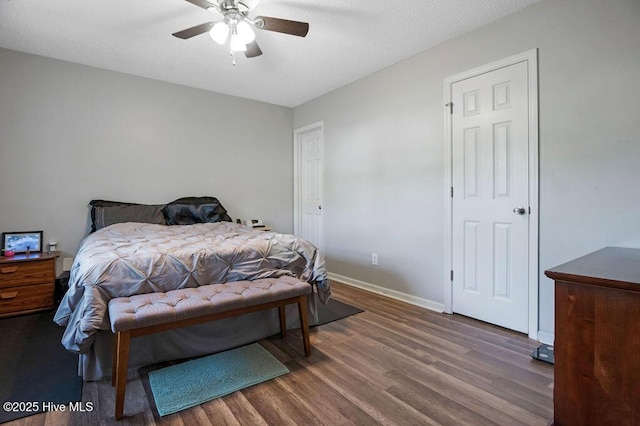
(194, 382)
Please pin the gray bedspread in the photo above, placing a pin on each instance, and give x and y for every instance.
(134, 258)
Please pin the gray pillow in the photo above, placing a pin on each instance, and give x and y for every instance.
(108, 215)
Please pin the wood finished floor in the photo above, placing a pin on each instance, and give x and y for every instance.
(394, 364)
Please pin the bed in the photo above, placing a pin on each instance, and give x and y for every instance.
(124, 259)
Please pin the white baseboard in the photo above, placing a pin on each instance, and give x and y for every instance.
(543, 336)
(546, 337)
(403, 297)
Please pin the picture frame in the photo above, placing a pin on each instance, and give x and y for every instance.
(20, 242)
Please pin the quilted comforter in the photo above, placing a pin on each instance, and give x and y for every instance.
(134, 258)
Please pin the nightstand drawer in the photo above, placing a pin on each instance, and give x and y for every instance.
(27, 273)
(19, 299)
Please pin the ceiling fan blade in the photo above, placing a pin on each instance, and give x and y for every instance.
(203, 4)
(253, 50)
(194, 31)
(285, 26)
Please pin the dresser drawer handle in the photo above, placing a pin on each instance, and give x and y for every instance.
(9, 270)
(9, 295)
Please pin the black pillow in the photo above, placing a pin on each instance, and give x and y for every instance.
(103, 203)
(142, 213)
(190, 210)
(105, 213)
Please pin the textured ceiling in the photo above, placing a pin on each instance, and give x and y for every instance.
(347, 40)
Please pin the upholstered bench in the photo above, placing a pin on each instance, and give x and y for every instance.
(144, 314)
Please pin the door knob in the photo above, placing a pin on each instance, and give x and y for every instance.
(519, 210)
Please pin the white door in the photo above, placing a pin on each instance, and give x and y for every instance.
(490, 175)
(309, 188)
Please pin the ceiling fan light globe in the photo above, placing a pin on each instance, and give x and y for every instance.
(245, 32)
(220, 32)
(237, 45)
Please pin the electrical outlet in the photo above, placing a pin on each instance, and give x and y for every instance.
(374, 259)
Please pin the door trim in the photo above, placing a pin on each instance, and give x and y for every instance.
(531, 58)
(297, 158)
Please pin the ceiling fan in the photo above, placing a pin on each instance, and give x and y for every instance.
(237, 27)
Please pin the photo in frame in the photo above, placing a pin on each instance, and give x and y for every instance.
(21, 242)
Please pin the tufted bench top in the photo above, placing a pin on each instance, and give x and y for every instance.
(145, 310)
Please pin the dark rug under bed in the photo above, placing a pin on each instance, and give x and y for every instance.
(34, 366)
(334, 310)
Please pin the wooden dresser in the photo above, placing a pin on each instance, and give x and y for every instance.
(27, 283)
(597, 339)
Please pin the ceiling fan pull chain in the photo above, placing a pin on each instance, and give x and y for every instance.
(233, 58)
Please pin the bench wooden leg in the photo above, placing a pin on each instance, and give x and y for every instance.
(121, 360)
(283, 320)
(114, 360)
(304, 324)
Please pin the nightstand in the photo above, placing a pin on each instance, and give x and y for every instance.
(27, 283)
(62, 285)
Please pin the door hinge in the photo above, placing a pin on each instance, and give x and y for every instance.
(452, 192)
(452, 275)
(450, 105)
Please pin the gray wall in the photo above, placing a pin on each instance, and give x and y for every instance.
(71, 133)
(384, 149)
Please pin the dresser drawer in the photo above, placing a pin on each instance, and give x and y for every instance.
(27, 273)
(18, 299)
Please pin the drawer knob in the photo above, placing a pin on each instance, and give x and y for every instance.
(9, 295)
(9, 269)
